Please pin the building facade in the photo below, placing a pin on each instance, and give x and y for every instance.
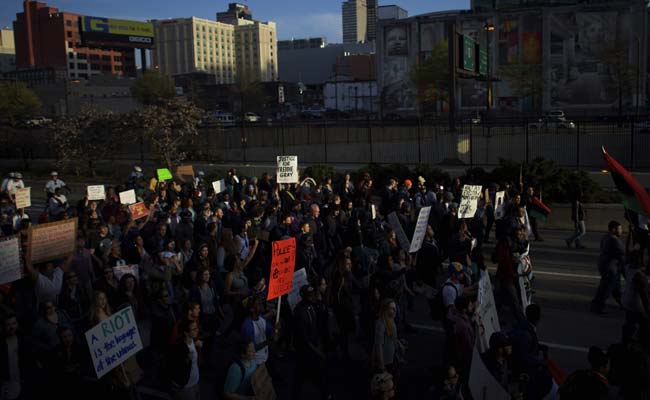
(257, 51)
(391, 12)
(236, 14)
(7, 51)
(307, 43)
(46, 38)
(371, 23)
(355, 21)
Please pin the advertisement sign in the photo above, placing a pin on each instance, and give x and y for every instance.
(403, 241)
(469, 201)
(113, 341)
(287, 169)
(99, 31)
(128, 197)
(23, 197)
(96, 192)
(420, 229)
(138, 210)
(51, 241)
(396, 40)
(11, 268)
(283, 261)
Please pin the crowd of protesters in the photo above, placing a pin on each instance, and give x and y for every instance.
(199, 293)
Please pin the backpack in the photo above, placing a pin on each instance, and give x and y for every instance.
(437, 309)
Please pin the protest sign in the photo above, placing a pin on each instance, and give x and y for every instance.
(51, 241)
(373, 211)
(185, 173)
(96, 192)
(23, 197)
(287, 169)
(128, 197)
(138, 210)
(219, 186)
(164, 174)
(152, 184)
(525, 302)
(403, 241)
(120, 270)
(469, 201)
(283, 261)
(112, 341)
(500, 206)
(420, 229)
(486, 312)
(482, 384)
(11, 268)
(299, 280)
(262, 384)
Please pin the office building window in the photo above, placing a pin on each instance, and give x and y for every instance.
(118, 68)
(82, 56)
(84, 76)
(69, 34)
(106, 58)
(70, 45)
(72, 66)
(94, 67)
(106, 68)
(94, 56)
(70, 55)
(117, 58)
(68, 23)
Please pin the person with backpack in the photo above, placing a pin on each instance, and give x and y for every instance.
(240, 373)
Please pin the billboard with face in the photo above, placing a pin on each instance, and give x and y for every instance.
(108, 32)
(396, 39)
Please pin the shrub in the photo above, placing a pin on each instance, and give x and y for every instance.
(320, 171)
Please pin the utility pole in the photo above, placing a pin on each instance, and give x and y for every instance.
(451, 34)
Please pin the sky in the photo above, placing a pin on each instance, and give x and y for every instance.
(294, 18)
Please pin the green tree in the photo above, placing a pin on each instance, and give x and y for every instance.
(525, 80)
(17, 102)
(153, 87)
(614, 55)
(431, 77)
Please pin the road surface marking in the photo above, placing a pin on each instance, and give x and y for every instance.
(562, 274)
(551, 345)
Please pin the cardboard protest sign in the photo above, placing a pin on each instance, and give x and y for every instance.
(120, 270)
(487, 312)
(51, 241)
(128, 197)
(96, 192)
(138, 210)
(299, 280)
(111, 342)
(482, 384)
(164, 174)
(152, 184)
(403, 241)
(469, 201)
(500, 206)
(283, 261)
(219, 186)
(24, 197)
(420, 229)
(11, 267)
(287, 169)
(185, 173)
(262, 384)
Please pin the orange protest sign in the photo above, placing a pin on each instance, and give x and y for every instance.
(283, 262)
(138, 210)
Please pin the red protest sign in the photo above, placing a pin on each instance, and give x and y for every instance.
(138, 210)
(282, 265)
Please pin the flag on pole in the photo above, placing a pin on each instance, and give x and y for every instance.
(635, 197)
(538, 210)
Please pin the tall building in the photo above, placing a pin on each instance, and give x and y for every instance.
(48, 39)
(355, 21)
(257, 51)
(7, 51)
(391, 12)
(235, 14)
(372, 6)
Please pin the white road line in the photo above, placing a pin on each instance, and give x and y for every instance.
(551, 345)
(562, 274)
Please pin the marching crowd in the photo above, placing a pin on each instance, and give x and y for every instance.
(199, 292)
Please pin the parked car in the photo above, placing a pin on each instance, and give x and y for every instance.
(37, 121)
(225, 118)
(251, 117)
(556, 113)
(552, 123)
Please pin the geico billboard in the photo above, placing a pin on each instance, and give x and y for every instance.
(98, 31)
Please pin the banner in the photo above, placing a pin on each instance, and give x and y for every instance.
(500, 206)
(185, 173)
(138, 210)
(283, 262)
(299, 280)
(262, 384)
(11, 267)
(287, 169)
(482, 384)
(128, 197)
(487, 312)
(403, 241)
(469, 201)
(120, 270)
(23, 197)
(96, 192)
(420, 229)
(113, 341)
(164, 174)
(51, 241)
(219, 186)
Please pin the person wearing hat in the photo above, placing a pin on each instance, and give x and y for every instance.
(14, 184)
(5, 181)
(498, 359)
(53, 184)
(405, 190)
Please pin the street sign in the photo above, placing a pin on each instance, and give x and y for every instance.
(469, 57)
(483, 61)
(281, 94)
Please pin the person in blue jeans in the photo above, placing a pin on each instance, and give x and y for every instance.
(610, 264)
(578, 218)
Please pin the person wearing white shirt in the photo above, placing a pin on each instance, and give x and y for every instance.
(53, 184)
(14, 184)
(48, 280)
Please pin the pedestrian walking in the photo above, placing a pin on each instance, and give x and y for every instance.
(578, 218)
(610, 264)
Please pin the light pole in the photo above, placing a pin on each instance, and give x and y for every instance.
(488, 28)
(638, 74)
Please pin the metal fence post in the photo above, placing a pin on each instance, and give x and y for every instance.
(419, 142)
(578, 147)
(370, 139)
(632, 141)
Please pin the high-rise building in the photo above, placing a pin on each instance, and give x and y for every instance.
(49, 39)
(355, 21)
(7, 50)
(257, 51)
(236, 14)
(391, 12)
(372, 6)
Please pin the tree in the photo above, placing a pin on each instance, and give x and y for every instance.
(153, 88)
(17, 102)
(432, 76)
(525, 80)
(614, 54)
(249, 94)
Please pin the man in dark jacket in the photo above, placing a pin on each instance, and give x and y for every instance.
(183, 362)
(16, 362)
(610, 264)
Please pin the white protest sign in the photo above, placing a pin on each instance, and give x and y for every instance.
(24, 197)
(486, 312)
(525, 302)
(420, 229)
(120, 270)
(96, 192)
(113, 341)
(403, 241)
(373, 211)
(482, 384)
(11, 268)
(299, 280)
(128, 197)
(287, 169)
(219, 186)
(469, 201)
(500, 205)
